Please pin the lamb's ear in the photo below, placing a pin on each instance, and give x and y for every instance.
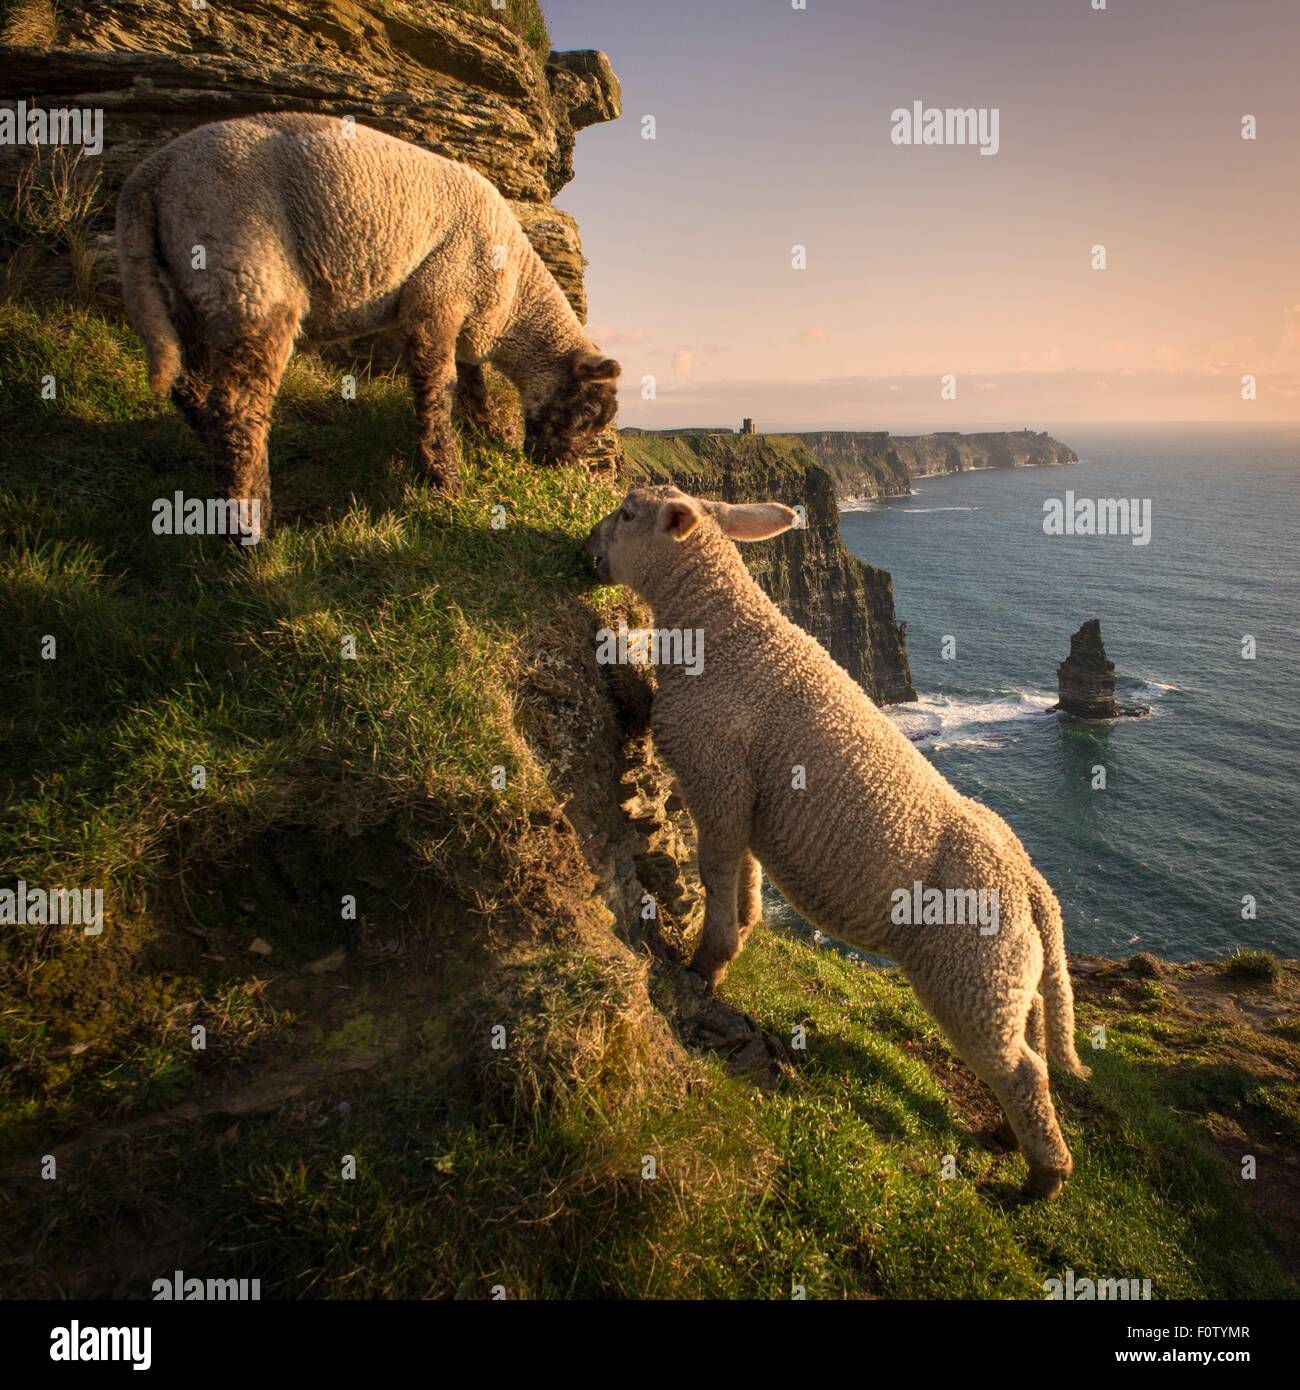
(678, 517)
(755, 521)
(591, 366)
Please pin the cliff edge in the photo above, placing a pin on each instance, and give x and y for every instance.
(875, 463)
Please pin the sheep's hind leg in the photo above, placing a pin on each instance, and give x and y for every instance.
(749, 896)
(235, 413)
(1036, 1027)
(1019, 1080)
(1036, 1038)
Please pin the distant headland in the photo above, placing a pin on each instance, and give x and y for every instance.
(874, 463)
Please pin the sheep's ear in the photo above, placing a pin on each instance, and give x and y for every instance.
(755, 521)
(591, 366)
(678, 517)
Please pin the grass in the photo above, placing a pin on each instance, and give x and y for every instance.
(355, 1129)
(29, 23)
(1252, 965)
(46, 230)
(521, 17)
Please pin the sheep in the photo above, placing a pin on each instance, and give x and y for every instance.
(788, 768)
(242, 237)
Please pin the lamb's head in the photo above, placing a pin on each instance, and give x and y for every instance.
(655, 527)
(580, 399)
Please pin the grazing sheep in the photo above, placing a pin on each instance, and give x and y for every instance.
(240, 238)
(785, 763)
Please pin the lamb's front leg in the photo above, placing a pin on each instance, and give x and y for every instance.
(474, 400)
(720, 941)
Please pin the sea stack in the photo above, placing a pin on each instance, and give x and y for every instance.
(1085, 680)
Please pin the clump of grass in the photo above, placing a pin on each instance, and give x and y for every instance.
(522, 17)
(29, 23)
(1260, 966)
(55, 205)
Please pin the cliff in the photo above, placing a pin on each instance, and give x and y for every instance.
(455, 78)
(874, 463)
(846, 604)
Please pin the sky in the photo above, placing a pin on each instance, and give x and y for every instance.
(1118, 128)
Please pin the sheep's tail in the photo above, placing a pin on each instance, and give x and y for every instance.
(144, 286)
(1058, 996)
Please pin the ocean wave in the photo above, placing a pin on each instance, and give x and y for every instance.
(971, 720)
(940, 509)
(1145, 688)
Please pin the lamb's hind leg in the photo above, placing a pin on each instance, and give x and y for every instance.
(749, 896)
(232, 405)
(1036, 1038)
(1018, 1077)
(1036, 1027)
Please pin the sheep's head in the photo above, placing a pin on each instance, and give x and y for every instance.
(581, 402)
(640, 537)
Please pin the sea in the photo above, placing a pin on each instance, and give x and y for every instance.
(1178, 833)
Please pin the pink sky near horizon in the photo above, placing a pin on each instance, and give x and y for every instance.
(1119, 127)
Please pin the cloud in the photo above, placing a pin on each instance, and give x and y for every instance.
(608, 336)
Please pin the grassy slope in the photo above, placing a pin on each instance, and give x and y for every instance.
(679, 458)
(523, 1168)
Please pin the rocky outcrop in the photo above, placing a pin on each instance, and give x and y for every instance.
(847, 605)
(875, 463)
(460, 83)
(1086, 679)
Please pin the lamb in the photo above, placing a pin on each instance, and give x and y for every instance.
(784, 763)
(242, 237)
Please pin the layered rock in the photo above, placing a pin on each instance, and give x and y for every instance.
(1086, 679)
(460, 83)
(846, 604)
(875, 463)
